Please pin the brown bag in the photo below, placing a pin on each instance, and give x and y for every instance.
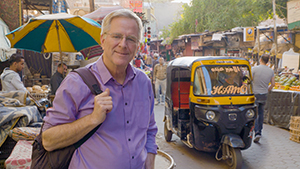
(60, 158)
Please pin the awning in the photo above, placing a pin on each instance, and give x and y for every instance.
(217, 37)
(5, 50)
(280, 49)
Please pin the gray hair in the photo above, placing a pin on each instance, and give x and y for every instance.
(121, 13)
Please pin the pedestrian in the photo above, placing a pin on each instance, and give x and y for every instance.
(262, 76)
(148, 60)
(155, 60)
(160, 80)
(10, 77)
(58, 77)
(126, 138)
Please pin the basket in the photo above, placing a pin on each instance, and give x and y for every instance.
(295, 128)
(39, 96)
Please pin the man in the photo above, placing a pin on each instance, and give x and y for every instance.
(262, 76)
(10, 78)
(58, 77)
(148, 60)
(126, 138)
(154, 62)
(160, 79)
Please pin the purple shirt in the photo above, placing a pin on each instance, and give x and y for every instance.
(128, 132)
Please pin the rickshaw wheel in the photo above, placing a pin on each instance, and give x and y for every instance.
(167, 133)
(235, 160)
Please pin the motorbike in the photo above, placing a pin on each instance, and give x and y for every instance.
(210, 105)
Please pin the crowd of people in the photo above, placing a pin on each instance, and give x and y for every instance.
(155, 66)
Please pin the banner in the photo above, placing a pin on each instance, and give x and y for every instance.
(248, 34)
(137, 6)
(293, 14)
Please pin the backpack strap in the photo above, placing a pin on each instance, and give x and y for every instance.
(91, 81)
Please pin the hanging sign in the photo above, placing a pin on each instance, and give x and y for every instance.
(248, 34)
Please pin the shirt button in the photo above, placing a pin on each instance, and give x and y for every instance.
(132, 157)
(127, 122)
(128, 139)
(126, 104)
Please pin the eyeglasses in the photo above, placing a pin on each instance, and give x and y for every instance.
(130, 40)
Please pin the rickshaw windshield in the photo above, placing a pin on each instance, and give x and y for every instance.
(222, 80)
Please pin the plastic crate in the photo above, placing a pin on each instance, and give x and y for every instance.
(295, 128)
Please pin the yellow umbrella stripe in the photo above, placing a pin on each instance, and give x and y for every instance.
(65, 42)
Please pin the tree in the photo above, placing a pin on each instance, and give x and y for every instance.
(217, 15)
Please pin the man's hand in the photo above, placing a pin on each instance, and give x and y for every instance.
(102, 105)
(150, 161)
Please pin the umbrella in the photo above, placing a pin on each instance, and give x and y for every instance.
(56, 33)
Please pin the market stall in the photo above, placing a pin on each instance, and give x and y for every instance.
(283, 101)
(281, 105)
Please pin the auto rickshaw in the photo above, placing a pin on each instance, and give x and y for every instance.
(210, 105)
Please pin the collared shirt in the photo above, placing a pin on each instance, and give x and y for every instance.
(160, 72)
(11, 81)
(128, 132)
(55, 81)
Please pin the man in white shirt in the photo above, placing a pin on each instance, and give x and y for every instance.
(10, 78)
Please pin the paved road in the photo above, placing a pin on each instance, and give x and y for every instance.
(275, 150)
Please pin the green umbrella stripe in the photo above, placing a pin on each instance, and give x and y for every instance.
(35, 38)
(79, 38)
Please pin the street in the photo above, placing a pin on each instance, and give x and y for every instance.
(275, 150)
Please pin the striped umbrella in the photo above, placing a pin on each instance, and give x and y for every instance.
(56, 33)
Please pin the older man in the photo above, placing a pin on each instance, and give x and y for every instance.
(126, 138)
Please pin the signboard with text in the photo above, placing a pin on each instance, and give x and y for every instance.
(248, 34)
(293, 14)
(137, 6)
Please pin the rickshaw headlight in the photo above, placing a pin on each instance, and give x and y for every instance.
(210, 115)
(250, 113)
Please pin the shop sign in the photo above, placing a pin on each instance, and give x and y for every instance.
(293, 14)
(248, 34)
(137, 6)
(168, 47)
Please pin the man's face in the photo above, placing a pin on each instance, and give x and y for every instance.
(161, 60)
(62, 69)
(20, 65)
(118, 52)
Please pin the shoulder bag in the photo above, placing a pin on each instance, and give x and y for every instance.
(60, 158)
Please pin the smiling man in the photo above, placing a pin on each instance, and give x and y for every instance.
(126, 138)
